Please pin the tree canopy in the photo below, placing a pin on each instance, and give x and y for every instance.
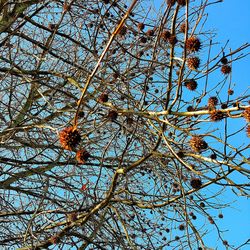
(119, 125)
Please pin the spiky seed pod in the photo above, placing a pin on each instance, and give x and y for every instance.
(130, 120)
(183, 28)
(193, 44)
(150, 33)
(115, 75)
(181, 227)
(171, 2)
(225, 242)
(181, 2)
(195, 183)
(69, 138)
(52, 26)
(172, 40)
(140, 26)
(230, 92)
(226, 69)
(123, 31)
(103, 97)
(216, 115)
(191, 84)
(82, 156)
(248, 130)
(71, 217)
(165, 35)
(224, 60)
(112, 115)
(213, 156)
(81, 114)
(180, 154)
(143, 39)
(190, 108)
(202, 204)
(246, 114)
(212, 101)
(193, 63)
(197, 143)
(66, 7)
(220, 216)
(223, 105)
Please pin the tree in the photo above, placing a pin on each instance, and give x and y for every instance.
(112, 135)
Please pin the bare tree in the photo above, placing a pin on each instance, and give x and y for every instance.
(119, 125)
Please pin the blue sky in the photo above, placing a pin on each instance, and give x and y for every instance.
(231, 21)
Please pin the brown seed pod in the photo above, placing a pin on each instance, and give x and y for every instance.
(193, 63)
(195, 183)
(81, 114)
(143, 39)
(150, 33)
(103, 97)
(213, 156)
(226, 69)
(123, 31)
(180, 154)
(190, 109)
(230, 92)
(82, 156)
(224, 60)
(66, 7)
(197, 143)
(212, 101)
(165, 35)
(182, 2)
(220, 216)
(172, 40)
(130, 120)
(72, 217)
(171, 2)
(115, 75)
(52, 26)
(193, 44)
(69, 138)
(183, 28)
(246, 114)
(140, 26)
(191, 84)
(223, 105)
(112, 115)
(216, 115)
(225, 242)
(202, 204)
(181, 227)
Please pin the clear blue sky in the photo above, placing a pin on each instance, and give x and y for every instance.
(231, 21)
